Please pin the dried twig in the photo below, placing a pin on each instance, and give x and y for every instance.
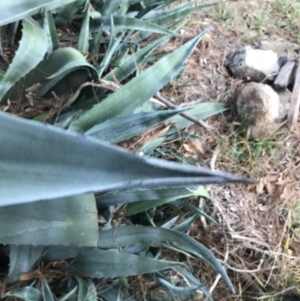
(185, 115)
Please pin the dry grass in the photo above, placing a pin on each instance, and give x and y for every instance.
(258, 240)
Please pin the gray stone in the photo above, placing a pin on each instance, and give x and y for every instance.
(259, 108)
(254, 64)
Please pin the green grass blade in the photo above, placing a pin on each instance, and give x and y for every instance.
(11, 11)
(21, 260)
(126, 100)
(110, 264)
(131, 235)
(51, 223)
(126, 127)
(26, 293)
(31, 51)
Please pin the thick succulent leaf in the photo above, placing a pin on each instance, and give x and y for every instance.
(31, 51)
(68, 11)
(69, 295)
(84, 35)
(134, 60)
(124, 23)
(47, 162)
(109, 7)
(200, 111)
(178, 289)
(131, 63)
(112, 263)
(54, 253)
(14, 10)
(92, 291)
(111, 49)
(141, 206)
(126, 100)
(126, 127)
(47, 293)
(66, 221)
(185, 225)
(21, 260)
(63, 69)
(192, 208)
(138, 194)
(82, 289)
(50, 29)
(131, 235)
(170, 223)
(26, 293)
(195, 281)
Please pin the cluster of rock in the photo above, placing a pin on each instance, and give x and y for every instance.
(263, 101)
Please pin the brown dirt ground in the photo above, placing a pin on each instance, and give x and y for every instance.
(258, 240)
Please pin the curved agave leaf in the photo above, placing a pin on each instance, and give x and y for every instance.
(126, 99)
(50, 29)
(131, 235)
(21, 260)
(142, 206)
(30, 52)
(47, 293)
(109, 7)
(69, 295)
(66, 221)
(126, 127)
(49, 163)
(195, 281)
(83, 289)
(84, 35)
(112, 263)
(68, 11)
(26, 293)
(177, 289)
(130, 64)
(64, 63)
(11, 11)
(92, 291)
(123, 23)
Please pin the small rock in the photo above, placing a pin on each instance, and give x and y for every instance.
(286, 48)
(258, 107)
(254, 64)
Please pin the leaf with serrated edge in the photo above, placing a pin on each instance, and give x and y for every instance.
(112, 263)
(21, 260)
(126, 99)
(130, 235)
(31, 51)
(40, 162)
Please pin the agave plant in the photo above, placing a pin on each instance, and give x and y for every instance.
(88, 59)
